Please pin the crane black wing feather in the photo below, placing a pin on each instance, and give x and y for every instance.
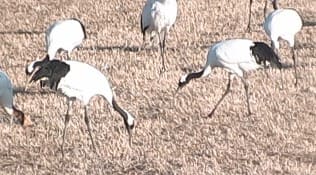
(262, 53)
(54, 70)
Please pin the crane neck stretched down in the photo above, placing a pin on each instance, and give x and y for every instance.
(185, 79)
(127, 117)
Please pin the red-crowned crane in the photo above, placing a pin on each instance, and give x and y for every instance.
(61, 35)
(236, 56)
(284, 24)
(6, 100)
(158, 16)
(78, 80)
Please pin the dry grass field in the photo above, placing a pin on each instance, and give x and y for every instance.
(173, 134)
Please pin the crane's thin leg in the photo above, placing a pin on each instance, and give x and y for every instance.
(247, 94)
(164, 46)
(144, 38)
(86, 119)
(281, 79)
(265, 67)
(162, 53)
(265, 9)
(249, 19)
(68, 55)
(223, 96)
(67, 118)
(294, 60)
(275, 4)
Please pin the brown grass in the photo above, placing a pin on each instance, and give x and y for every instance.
(173, 134)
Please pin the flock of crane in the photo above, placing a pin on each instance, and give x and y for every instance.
(78, 80)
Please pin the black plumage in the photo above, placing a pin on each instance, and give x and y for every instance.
(38, 64)
(54, 70)
(262, 53)
(190, 76)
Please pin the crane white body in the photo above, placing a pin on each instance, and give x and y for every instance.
(64, 34)
(283, 24)
(6, 100)
(235, 56)
(158, 16)
(78, 80)
(83, 82)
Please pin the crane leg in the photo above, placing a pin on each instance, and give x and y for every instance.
(86, 119)
(164, 47)
(162, 53)
(223, 96)
(67, 118)
(295, 63)
(247, 94)
(249, 18)
(265, 9)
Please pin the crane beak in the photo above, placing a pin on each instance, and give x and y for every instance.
(129, 131)
(28, 81)
(29, 78)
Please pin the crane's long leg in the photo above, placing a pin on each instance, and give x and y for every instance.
(249, 19)
(86, 119)
(161, 45)
(294, 60)
(247, 94)
(223, 96)
(164, 46)
(67, 118)
(265, 9)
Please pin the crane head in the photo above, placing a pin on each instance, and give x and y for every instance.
(182, 82)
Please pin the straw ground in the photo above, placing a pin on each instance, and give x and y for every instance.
(173, 134)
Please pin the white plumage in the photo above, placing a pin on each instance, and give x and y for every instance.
(78, 80)
(236, 56)
(284, 24)
(158, 16)
(61, 35)
(64, 34)
(6, 100)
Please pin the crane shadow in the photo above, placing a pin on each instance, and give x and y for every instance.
(119, 47)
(309, 23)
(21, 32)
(126, 48)
(33, 91)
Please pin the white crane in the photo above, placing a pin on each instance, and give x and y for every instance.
(275, 6)
(78, 80)
(6, 100)
(236, 56)
(62, 35)
(158, 16)
(284, 24)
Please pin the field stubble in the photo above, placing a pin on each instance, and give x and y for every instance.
(173, 134)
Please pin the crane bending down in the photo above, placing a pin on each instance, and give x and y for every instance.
(158, 16)
(80, 81)
(275, 7)
(284, 24)
(236, 56)
(6, 100)
(61, 35)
